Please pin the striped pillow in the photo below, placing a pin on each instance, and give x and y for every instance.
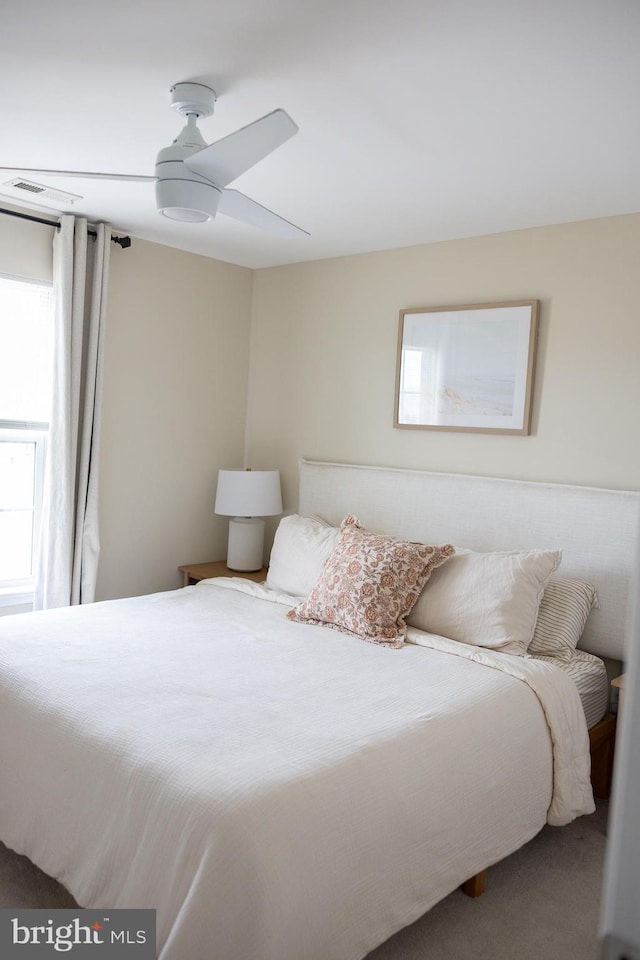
(563, 613)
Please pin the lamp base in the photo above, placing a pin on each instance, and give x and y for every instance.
(246, 544)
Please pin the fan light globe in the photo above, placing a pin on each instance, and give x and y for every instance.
(187, 216)
(187, 200)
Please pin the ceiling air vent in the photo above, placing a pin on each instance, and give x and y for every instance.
(42, 192)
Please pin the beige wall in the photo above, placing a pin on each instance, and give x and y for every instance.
(323, 355)
(176, 368)
(25, 248)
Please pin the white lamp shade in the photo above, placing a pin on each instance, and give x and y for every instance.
(248, 493)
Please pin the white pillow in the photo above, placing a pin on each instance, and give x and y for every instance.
(300, 548)
(486, 599)
(562, 616)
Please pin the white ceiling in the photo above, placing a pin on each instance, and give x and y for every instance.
(420, 120)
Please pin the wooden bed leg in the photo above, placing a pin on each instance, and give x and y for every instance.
(474, 886)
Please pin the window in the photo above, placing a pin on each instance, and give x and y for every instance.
(26, 365)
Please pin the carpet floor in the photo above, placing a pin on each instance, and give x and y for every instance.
(541, 903)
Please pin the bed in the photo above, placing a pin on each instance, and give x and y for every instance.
(280, 789)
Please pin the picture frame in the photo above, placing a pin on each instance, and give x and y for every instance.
(467, 368)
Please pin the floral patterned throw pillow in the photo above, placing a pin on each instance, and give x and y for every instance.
(369, 584)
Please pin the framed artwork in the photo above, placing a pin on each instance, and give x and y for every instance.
(467, 368)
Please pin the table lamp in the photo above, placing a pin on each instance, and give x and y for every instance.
(246, 496)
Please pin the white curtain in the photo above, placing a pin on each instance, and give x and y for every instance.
(67, 564)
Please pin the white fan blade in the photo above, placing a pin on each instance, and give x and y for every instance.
(80, 173)
(235, 204)
(225, 160)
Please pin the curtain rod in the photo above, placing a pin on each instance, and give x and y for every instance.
(123, 242)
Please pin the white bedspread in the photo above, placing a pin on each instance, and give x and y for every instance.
(277, 791)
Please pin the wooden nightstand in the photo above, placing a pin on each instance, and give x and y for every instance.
(602, 743)
(194, 572)
(618, 683)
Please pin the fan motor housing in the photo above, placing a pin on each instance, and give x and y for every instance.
(182, 194)
(191, 201)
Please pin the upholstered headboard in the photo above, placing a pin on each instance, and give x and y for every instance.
(596, 529)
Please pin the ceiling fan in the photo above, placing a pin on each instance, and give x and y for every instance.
(191, 177)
